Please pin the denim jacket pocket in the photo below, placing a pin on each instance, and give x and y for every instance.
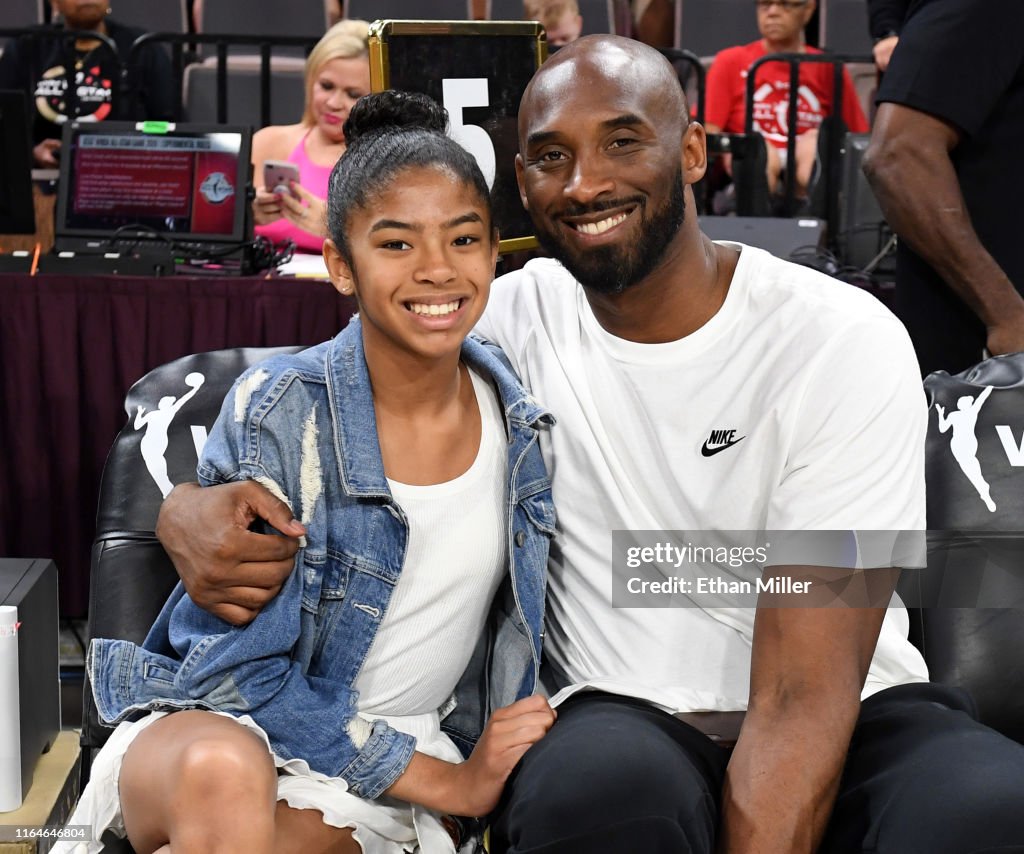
(155, 672)
(339, 570)
(540, 509)
(337, 574)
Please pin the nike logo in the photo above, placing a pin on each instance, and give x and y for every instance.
(718, 441)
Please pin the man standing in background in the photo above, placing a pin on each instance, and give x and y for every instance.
(945, 162)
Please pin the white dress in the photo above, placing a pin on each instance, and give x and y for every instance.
(381, 826)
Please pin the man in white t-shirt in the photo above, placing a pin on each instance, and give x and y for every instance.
(698, 387)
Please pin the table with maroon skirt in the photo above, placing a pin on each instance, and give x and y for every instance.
(72, 346)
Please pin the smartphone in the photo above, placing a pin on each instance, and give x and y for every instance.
(277, 174)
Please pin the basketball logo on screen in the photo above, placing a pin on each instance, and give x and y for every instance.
(216, 188)
(157, 423)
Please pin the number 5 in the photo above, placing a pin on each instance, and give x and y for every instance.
(469, 92)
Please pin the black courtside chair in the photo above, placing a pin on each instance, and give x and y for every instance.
(972, 632)
(131, 575)
(977, 648)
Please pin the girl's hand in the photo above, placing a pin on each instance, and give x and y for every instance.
(307, 211)
(510, 732)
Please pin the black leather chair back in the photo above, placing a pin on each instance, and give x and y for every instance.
(170, 411)
(972, 633)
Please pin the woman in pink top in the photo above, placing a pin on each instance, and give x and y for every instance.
(337, 75)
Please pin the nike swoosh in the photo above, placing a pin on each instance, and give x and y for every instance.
(710, 452)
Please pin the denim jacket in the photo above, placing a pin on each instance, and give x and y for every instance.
(304, 426)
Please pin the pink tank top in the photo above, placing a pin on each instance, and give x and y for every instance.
(313, 178)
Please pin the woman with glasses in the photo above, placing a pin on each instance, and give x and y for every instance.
(781, 24)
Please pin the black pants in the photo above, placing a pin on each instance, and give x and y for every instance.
(615, 775)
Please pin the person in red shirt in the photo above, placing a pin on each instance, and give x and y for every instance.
(781, 23)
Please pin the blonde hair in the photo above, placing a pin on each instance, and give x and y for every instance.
(345, 40)
(549, 12)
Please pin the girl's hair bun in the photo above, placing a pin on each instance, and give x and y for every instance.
(391, 110)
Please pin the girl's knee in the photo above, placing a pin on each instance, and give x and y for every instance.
(193, 754)
(226, 764)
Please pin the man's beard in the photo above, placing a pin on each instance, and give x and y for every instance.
(613, 269)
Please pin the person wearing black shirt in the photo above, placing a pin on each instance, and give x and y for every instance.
(945, 162)
(36, 65)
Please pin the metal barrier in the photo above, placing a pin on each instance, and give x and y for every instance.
(833, 140)
(685, 63)
(183, 45)
(750, 156)
(182, 48)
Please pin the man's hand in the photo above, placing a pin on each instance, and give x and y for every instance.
(882, 51)
(1006, 336)
(227, 569)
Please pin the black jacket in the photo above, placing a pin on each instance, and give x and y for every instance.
(886, 17)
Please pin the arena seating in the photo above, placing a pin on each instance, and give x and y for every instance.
(287, 94)
(708, 26)
(268, 18)
(265, 17)
(165, 16)
(844, 26)
(22, 13)
(246, 61)
(598, 15)
(435, 10)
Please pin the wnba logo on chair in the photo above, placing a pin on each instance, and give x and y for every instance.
(157, 424)
(962, 425)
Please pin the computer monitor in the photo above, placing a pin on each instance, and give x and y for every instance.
(16, 212)
(159, 182)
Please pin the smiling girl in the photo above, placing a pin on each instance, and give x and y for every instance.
(338, 720)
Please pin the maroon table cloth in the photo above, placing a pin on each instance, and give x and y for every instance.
(70, 348)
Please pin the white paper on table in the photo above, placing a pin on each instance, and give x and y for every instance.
(307, 266)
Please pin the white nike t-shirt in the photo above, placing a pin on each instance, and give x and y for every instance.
(820, 384)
